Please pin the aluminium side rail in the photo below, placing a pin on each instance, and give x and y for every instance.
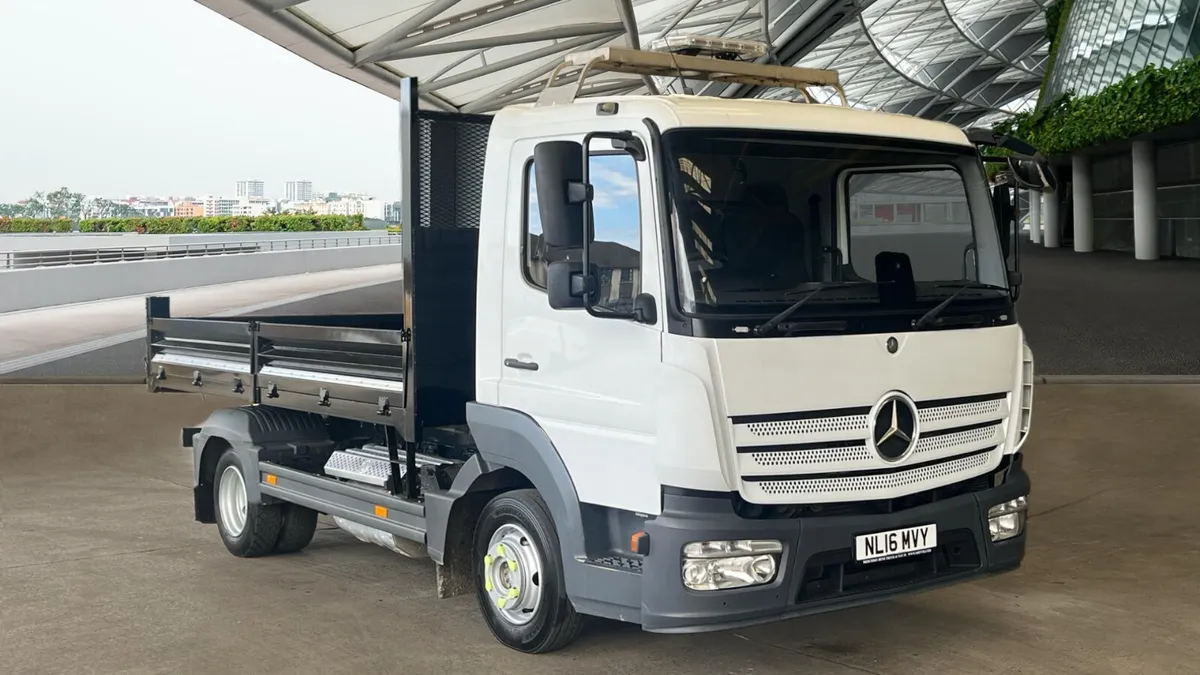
(347, 366)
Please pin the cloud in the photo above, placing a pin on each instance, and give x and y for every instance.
(614, 183)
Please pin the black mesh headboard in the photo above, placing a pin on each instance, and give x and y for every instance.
(441, 248)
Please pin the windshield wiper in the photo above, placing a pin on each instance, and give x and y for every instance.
(928, 317)
(771, 324)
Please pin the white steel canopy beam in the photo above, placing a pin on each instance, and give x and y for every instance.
(582, 42)
(610, 30)
(374, 47)
(455, 25)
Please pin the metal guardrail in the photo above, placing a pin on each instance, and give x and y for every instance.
(15, 260)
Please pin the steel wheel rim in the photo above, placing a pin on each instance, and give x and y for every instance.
(512, 574)
(231, 493)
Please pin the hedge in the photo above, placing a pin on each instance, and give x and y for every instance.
(23, 225)
(1143, 102)
(209, 224)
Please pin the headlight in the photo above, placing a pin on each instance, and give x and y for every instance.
(1007, 520)
(716, 565)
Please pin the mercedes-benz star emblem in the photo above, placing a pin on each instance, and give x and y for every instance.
(894, 427)
(892, 345)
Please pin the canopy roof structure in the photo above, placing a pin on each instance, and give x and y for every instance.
(956, 60)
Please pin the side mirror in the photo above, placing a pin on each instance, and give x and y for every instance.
(562, 194)
(566, 285)
(1033, 174)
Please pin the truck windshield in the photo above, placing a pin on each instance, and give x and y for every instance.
(761, 215)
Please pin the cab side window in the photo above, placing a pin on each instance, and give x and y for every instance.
(616, 245)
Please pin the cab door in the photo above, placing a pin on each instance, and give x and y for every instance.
(586, 380)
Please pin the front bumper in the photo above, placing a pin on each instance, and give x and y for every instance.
(817, 572)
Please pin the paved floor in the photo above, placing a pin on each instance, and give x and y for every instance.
(1107, 314)
(102, 569)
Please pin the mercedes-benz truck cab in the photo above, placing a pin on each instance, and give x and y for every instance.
(688, 362)
(796, 355)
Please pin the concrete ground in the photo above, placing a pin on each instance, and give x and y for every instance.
(102, 569)
(1104, 313)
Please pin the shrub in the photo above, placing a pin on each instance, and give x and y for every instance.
(211, 224)
(32, 225)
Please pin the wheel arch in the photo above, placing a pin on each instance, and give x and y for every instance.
(246, 430)
(514, 452)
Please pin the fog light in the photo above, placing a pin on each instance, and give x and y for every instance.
(1007, 520)
(716, 565)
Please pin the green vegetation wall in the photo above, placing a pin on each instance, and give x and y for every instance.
(1057, 14)
(1146, 101)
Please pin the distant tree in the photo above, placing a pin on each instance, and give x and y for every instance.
(12, 210)
(332, 197)
(62, 203)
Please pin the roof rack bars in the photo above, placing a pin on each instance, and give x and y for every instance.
(665, 64)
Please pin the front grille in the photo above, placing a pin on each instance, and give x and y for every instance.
(825, 456)
(833, 487)
(871, 507)
(849, 456)
(835, 574)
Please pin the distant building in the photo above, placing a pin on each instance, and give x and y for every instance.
(250, 188)
(250, 208)
(189, 210)
(220, 206)
(374, 208)
(353, 205)
(299, 191)
(153, 208)
(392, 213)
(318, 207)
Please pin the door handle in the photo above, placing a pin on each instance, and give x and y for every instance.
(521, 365)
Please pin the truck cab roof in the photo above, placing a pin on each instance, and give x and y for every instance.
(675, 111)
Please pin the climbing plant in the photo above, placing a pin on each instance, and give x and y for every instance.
(1057, 14)
(1151, 99)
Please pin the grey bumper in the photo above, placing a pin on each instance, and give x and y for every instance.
(817, 572)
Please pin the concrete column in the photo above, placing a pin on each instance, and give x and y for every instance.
(1035, 217)
(1081, 201)
(1145, 202)
(1051, 231)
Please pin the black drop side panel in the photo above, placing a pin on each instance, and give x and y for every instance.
(450, 150)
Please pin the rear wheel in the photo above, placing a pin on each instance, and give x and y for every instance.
(248, 530)
(296, 530)
(519, 575)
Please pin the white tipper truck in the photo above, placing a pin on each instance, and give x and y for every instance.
(751, 360)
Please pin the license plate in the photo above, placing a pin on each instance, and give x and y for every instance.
(895, 543)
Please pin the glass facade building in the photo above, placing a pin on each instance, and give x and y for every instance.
(1105, 40)
(1102, 43)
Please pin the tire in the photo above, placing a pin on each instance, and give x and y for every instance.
(525, 610)
(254, 532)
(299, 523)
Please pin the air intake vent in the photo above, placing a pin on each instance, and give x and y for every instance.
(1026, 394)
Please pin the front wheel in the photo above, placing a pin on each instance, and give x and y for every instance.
(519, 579)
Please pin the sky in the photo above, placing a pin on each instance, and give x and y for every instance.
(168, 98)
(615, 205)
